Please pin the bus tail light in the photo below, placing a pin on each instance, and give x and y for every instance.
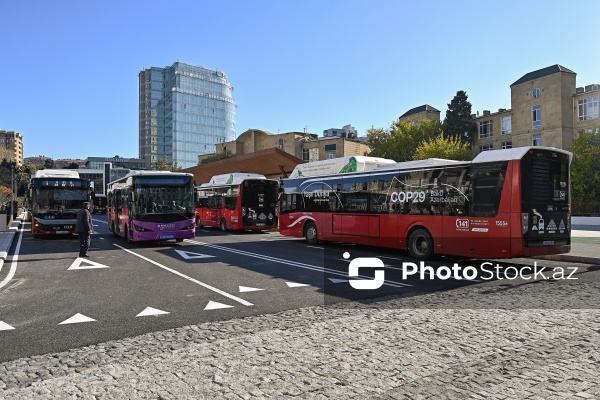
(525, 222)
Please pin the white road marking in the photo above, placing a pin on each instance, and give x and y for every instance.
(186, 255)
(296, 284)
(4, 326)
(214, 289)
(213, 305)
(290, 263)
(76, 319)
(92, 264)
(248, 289)
(15, 259)
(151, 311)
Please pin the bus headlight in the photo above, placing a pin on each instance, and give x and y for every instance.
(141, 229)
(189, 227)
(243, 211)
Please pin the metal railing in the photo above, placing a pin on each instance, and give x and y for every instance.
(585, 209)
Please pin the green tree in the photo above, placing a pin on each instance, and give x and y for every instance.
(164, 165)
(450, 148)
(585, 168)
(459, 119)
(401, 139)
(73, 165)
(216, 157)
(49, 163)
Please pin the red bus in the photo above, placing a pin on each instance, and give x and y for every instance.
(237, 201)
(503, 204)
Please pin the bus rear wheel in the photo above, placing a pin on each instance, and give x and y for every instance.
(420, 244)
(310, 233)
(223, 225)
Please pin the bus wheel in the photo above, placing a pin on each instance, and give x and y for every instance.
(420, 244)
(310, 233)
(223, 225)
(198, 224)
(179, 240)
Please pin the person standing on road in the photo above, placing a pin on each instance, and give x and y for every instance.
(84, 228)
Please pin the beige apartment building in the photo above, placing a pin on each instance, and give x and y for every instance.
(305, 146)
(547, 109)
(13, 142)
(417, 114)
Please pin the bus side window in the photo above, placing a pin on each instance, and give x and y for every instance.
(487, 184)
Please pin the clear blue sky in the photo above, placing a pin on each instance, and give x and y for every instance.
(69, 69)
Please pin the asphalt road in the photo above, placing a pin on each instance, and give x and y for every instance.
(58, 301)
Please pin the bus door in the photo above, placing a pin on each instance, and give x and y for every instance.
(212, 211)
(231, 209)
(469, 234)
(354, 223)
(117, 209)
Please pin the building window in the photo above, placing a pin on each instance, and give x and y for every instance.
(536, 140)
(329, 154)
(305, 155)
(535, 93)
(536, 116)
(507, 125)
(281, 143)
(588, 108)
(507, 145)
(486, 147)
(485, 129)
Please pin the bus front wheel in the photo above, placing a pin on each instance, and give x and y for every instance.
(310, 233)
(223, 225)
(420, 244)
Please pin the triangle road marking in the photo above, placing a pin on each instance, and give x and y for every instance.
(213, 305)
(77, 264)
(151, 311)
(77, 318)
(188, 255)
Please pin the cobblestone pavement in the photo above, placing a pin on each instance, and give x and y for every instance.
(477, 342)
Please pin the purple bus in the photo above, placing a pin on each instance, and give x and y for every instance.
(152, 206)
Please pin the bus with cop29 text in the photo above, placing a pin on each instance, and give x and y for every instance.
(237, 201)
(54, 197)
(505, 203)
(152, 206)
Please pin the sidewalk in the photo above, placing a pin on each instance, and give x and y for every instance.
(6, 238)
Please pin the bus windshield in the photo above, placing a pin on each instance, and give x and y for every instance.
(160, 195)
(58, 196)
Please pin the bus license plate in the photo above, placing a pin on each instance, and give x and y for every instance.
(167, 236)
(548, 243)
(61, 232)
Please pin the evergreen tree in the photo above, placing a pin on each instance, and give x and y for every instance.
(459, 119)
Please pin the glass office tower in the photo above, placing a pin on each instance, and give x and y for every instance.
(184, 111)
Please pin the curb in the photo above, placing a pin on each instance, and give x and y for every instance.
(570, 258)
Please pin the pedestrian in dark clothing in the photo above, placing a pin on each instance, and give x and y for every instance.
(84, 228)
